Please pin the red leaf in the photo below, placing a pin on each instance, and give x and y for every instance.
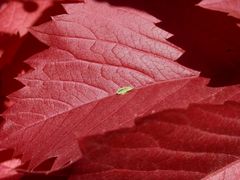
(16, 16)
(211, 39)
(17, 47)
(66, 77)
(174, 144)
(232, 7)
(7, 169)
(230, 172)
(100, 66)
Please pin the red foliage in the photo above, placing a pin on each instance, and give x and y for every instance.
(64, 102)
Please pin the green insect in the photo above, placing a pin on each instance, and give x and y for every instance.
(124, 90)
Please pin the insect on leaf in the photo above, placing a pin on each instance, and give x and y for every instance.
(124, 90)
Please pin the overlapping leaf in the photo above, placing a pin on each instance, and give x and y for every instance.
(174, 144)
